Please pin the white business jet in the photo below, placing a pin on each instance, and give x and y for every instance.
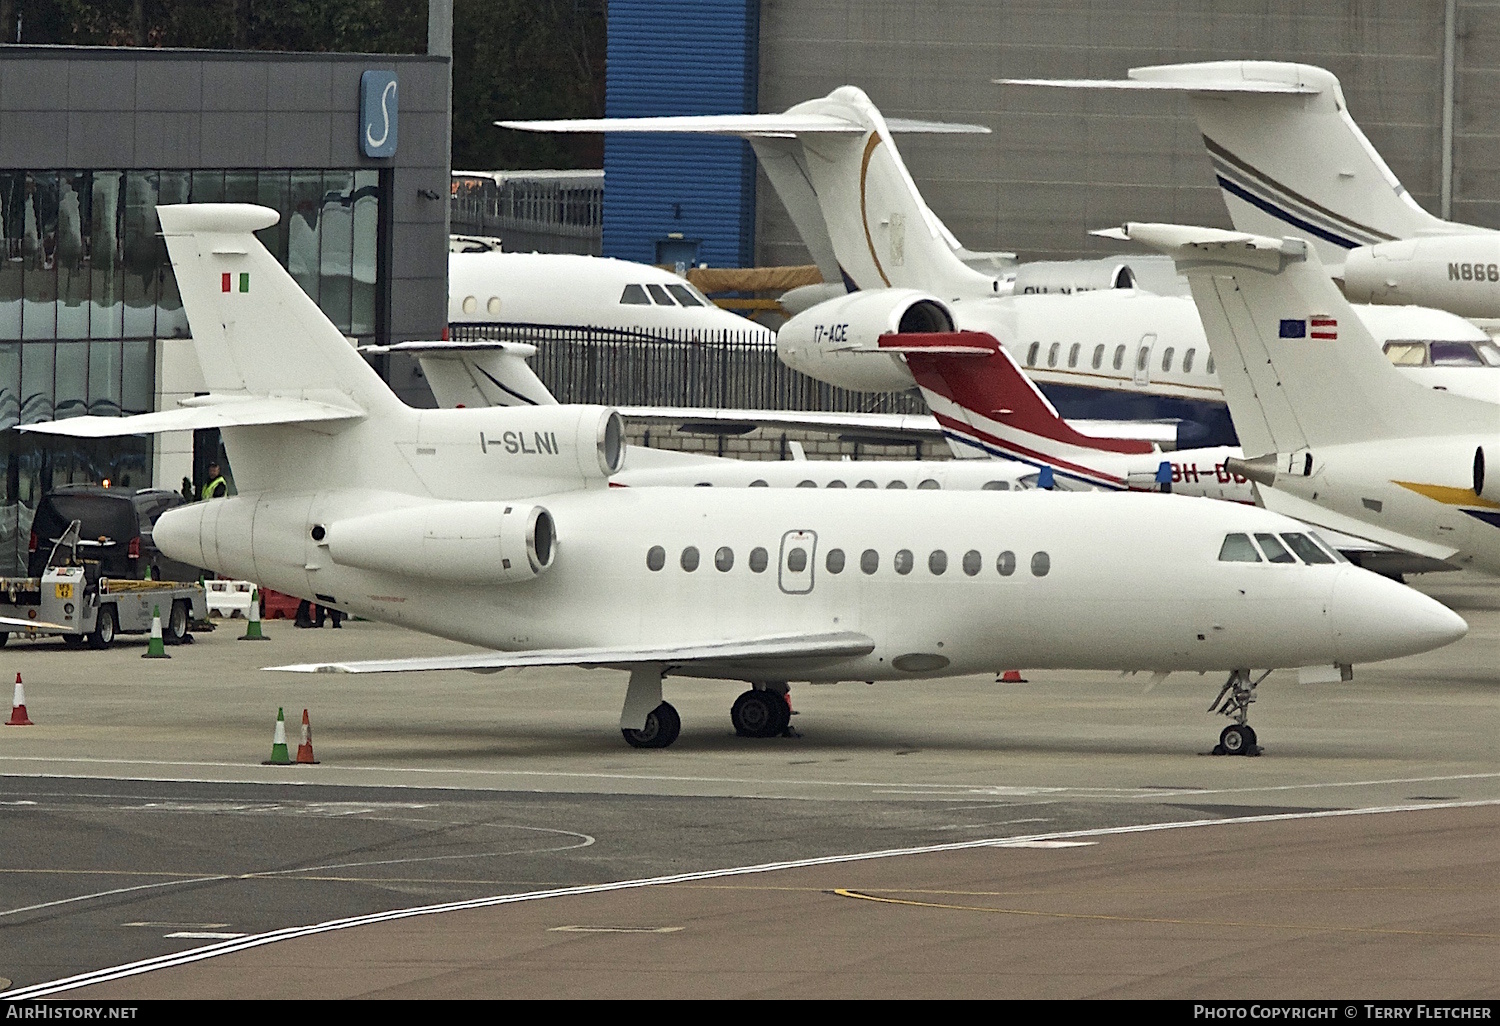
(496, 527)
(1340, 438)
(516, 291)
(1103, 354)
(1291, 161)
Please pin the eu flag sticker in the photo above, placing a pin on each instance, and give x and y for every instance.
(377, 113)
(1291, 327)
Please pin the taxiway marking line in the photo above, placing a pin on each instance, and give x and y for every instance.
(936, 790)
(843, 892)
(290, 933)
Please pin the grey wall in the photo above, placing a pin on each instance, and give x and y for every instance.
(86, 107)
(1060, 163)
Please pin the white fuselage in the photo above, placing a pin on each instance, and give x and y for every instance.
(568, 291)
(1087, 587)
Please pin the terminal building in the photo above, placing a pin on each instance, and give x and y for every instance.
(92, 139)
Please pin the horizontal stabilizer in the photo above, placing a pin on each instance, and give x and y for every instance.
(205, 412)
(842, 645)
(436, 348)
(1223, 85)
(748, 126)
(915, 425)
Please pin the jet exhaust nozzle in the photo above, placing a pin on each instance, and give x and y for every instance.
(1260, 469)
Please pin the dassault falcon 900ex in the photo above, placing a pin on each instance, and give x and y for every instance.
(496, 527)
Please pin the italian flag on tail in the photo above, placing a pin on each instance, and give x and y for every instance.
(226, 282)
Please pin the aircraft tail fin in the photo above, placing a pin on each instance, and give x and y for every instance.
(1288, 158)
(477, 374)
(834, 163)
(255, 331)
(983, 400)
(1298, 367)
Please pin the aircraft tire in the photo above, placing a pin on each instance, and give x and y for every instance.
(759, 714)
(1237, 739)
(661, 729)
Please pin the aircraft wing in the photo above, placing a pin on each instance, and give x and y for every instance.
(738, 654)
(1278, 501)
(206, 412)
(744, 125)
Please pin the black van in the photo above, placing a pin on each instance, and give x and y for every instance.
(116, 530)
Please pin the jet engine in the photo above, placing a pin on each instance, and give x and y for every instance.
(837, 341)
(1042, 277)
(472, 542)
(1458, 273)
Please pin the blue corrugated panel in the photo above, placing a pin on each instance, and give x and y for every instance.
(680, 57)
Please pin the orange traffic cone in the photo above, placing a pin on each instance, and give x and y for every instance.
(1012, 677)
(304, 750)
(18, 717)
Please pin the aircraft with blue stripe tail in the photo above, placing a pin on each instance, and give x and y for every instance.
(1290, 161)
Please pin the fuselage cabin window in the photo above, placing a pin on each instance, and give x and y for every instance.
(807, 484)
(1041, 564)
(796, 559)
(656, 557)
(972, 562)
(759, 560)
(1098, 357)
(903, 561)
(1073, 355)
(724, 559)
(1052, 352)
(690, 558)
(869, 561)
(1031, 352)
(896, 484)
(929, 485)
(1166, 359)
(937, 562)
(1210, 363)
(1187, 361)
(995, 486)
(867, 483)
(1119, 358)
(1006, 563)
(835, 483)
(759, 483)
(835, 561)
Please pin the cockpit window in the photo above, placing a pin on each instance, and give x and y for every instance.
(1455, 354)
(1489, 353)
(1335, 553)
(684, 297)
(1406, 354)
(1238, 548)
(634, 295)
(660, 295)
(1274, 550)
(1308, 549)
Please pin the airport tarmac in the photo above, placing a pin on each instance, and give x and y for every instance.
(138, 823)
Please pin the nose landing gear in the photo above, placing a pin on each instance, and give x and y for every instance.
(1234, 701)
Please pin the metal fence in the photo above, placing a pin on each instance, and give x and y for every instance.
(721, 370)
(563, 214)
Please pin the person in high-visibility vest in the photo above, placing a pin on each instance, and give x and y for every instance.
(217, 486)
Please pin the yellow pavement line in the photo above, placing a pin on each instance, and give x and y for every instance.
(1216, 923)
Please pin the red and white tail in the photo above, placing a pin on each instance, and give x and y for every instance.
(982, 399)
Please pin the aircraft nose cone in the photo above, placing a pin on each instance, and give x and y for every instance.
(1376, 618)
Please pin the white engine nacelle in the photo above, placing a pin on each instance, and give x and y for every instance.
(837, 341)
(471, 542)
(1050, 277)
(1458, 273)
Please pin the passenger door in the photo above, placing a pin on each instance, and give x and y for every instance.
(798, 551)
(1143, 360)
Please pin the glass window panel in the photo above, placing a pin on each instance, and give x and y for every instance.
(366, 249)
(72, 267)
(207, 187)
(10, 384)
(39, 256)
(36, 382)
(104, 378)
(1237, 548)
(138, 376)
(273, 189)
(106, 269)
(141, 254)
(12, 194)
(72, 380)
(241, 187)
(1303, 546)
(302, 258)
(336, 290)
(1274, 550)
(171, 321)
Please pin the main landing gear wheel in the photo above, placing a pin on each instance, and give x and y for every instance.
(661, 729)
(1237, 739)
(760, 714)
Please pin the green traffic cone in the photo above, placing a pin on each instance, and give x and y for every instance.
(156, 648)
(252, 630)
(279, 754)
